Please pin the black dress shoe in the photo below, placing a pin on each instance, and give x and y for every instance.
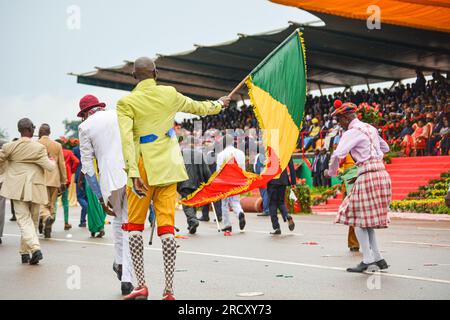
(126, 288)
(13, 218)
(229, 229)
(36, 257)
(354, 249)
(25, 258)
(203, 219)
(291, 223)
(193, 228)
(276, 232)
(82, 225)
(242, 221)
(40, 227)
(382, 264)
(117, 268)
(48, 228)
(360, 268)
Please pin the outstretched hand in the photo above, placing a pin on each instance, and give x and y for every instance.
(225, 101)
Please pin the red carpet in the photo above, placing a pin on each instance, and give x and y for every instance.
(407, 175)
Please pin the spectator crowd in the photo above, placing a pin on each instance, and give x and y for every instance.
(412, 118)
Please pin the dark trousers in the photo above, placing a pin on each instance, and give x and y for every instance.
(317, 179)
(277, 201)
(190, 212)
(217, 206)
(82, 200)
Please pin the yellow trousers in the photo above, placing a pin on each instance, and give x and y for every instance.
(164, 202)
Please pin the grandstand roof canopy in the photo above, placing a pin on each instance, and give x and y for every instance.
(342, 53)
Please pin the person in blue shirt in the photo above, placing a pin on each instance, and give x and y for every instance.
(81, 195)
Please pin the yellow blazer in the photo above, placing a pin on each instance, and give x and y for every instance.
(150, 110)
(56, 177)
(22, 163)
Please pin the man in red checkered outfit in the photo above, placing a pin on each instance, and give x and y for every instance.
(366, 205)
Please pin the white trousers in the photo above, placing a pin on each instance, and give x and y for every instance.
(234, 203)
(119, 203)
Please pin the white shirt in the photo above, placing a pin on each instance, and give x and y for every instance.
(228, 153)
(100, 139)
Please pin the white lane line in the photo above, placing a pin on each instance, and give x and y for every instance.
(287, 233)
(424, 244)
(306, 265)
(433, 229)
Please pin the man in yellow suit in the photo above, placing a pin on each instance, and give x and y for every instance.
(154, 164)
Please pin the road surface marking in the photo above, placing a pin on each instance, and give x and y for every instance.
(424, 244)
(433, 229)
(291, 263)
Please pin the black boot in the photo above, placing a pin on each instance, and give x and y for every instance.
(36, 257)
(25, 258)
(382, 264)
(126, 288)
(193, 227)
(13, 218)
(229, 229)
(117, 268)
(205, 219)
(360, 268)
(276, 232)
(242, 221)
(291, 223)
(48, 228)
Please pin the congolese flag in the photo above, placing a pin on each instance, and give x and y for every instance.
(277, 89)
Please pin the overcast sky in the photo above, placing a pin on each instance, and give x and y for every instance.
(40, 44)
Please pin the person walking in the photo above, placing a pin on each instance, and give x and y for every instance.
(258, 168)
(198, 172)
(366, 205)
(100, 139)
(233, 202)
(154, 164)
(23, 164)
(56, 180)
(72, 164)
(81, 194)
(276, 189)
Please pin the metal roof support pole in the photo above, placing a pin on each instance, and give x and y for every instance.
(367, 83)
(320, 89)
(346, 88)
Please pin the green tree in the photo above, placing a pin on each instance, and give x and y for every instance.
(71, 128)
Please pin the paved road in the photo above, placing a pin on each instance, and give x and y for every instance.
(211, 266)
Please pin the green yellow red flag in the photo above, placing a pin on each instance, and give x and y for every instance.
(277, 89)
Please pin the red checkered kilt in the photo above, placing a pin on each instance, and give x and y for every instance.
(367, 205)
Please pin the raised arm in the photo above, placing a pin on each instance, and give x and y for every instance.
(187, 105)
(126, 123)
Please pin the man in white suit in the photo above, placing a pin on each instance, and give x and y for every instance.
(100, 139)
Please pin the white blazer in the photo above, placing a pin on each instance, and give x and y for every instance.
(100, 140)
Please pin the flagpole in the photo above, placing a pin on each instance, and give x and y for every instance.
(238, 87)
(270, 55)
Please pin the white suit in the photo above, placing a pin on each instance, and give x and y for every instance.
(235, 201)
(100, 139)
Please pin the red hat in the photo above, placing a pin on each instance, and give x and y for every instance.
(340, 108)
(88, 102)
